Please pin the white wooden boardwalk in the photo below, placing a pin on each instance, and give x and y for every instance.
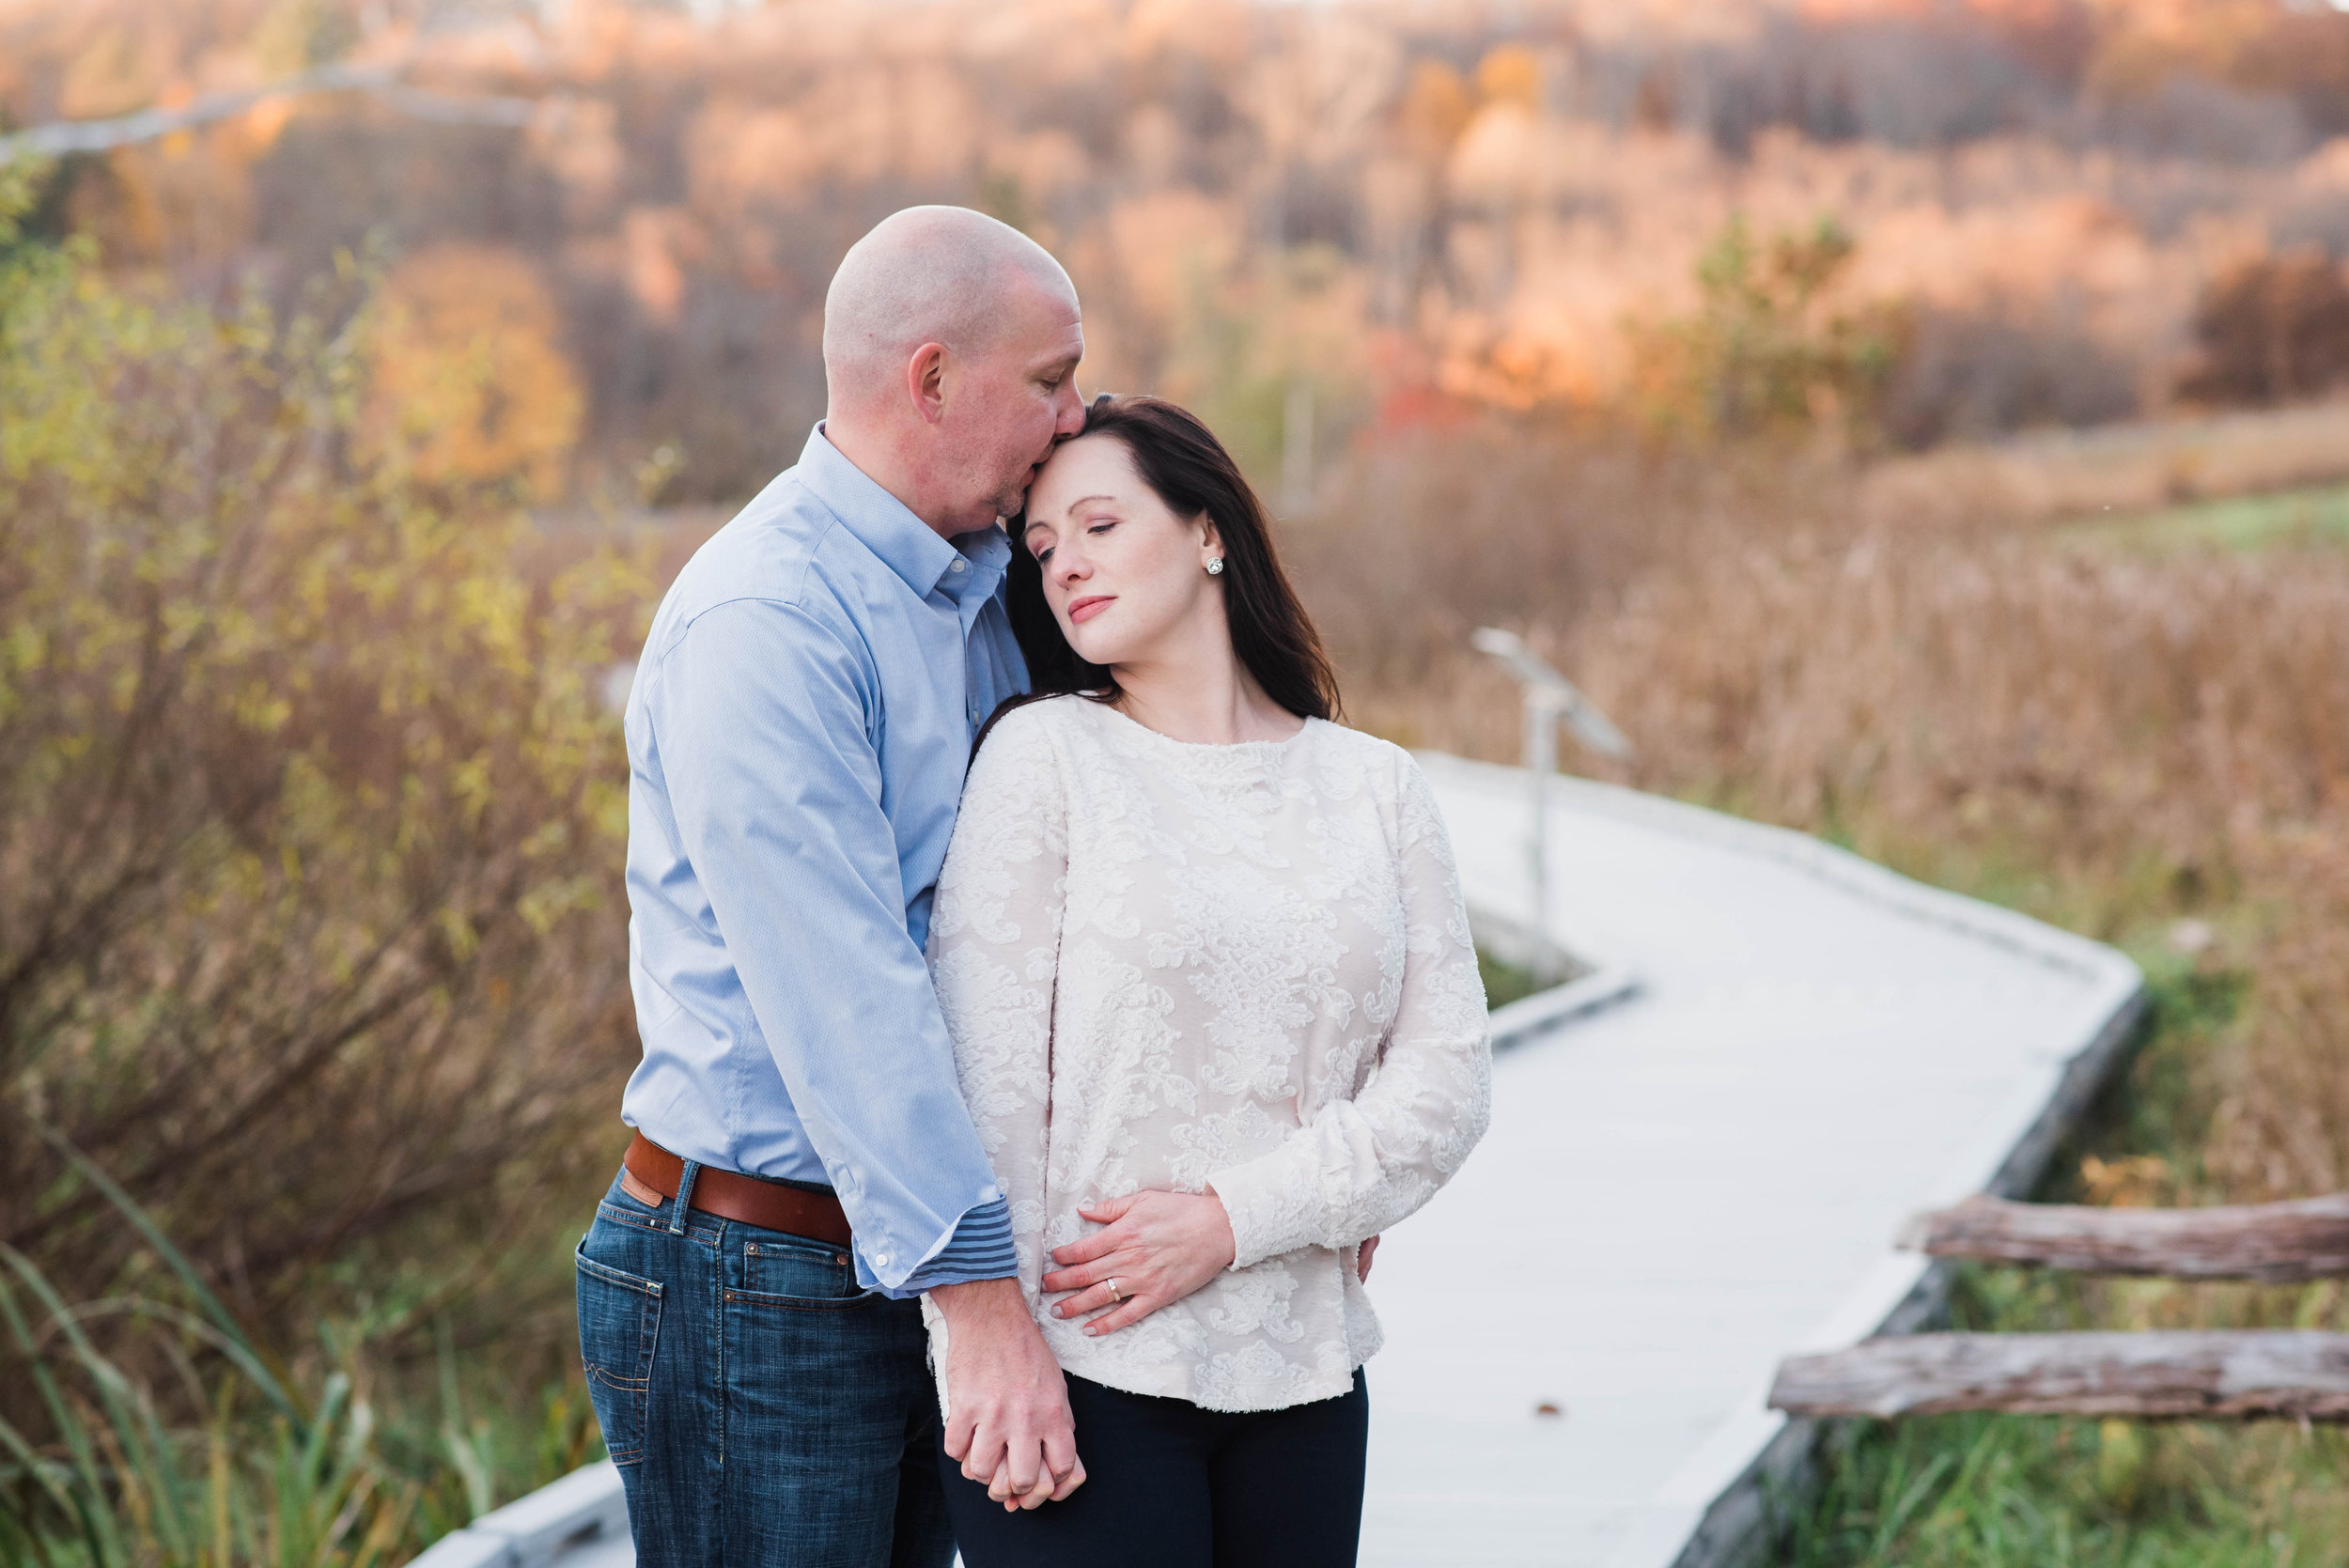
(1679, 1187)
(1682, 1187)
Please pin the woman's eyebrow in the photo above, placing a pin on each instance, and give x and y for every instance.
(1040, 523)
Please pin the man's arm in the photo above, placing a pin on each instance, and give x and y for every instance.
(994, 957)
(761, 718)
(1009, 1402)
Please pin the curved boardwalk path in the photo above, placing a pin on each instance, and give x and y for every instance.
(1682, 1187)
(1679, 1188)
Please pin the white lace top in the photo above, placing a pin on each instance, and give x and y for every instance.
(1167, 965)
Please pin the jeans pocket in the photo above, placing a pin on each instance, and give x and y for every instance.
(789, 1272)
(619, 1328)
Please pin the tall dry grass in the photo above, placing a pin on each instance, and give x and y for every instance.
(2114, 741)
(2060, 473)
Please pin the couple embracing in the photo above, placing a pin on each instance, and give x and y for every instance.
(1046, 1002)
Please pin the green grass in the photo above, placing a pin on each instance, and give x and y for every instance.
(2012, 1492)
(1977, 1491)
(154, 1430)
(1505, 983)
(2282, 519)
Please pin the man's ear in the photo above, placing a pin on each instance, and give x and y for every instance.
(926, 382)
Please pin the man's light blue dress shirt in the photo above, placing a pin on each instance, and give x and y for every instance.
(797, 737)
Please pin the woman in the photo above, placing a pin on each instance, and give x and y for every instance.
(1215, 1009)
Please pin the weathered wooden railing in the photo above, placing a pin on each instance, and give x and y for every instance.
(2277, 1243)
(2246, 1374)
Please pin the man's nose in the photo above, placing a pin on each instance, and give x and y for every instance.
(1072, 412)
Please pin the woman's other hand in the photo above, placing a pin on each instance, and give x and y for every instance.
(1361, 1259)
(1158, 1246)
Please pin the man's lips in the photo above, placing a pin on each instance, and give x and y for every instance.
(1091, 605)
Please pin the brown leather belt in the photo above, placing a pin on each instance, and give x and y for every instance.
(731, 1195)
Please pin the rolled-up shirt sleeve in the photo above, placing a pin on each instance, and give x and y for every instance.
(765, 721)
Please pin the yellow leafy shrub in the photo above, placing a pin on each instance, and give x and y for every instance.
(310, 810)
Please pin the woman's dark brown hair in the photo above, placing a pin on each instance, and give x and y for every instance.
(1180, 459)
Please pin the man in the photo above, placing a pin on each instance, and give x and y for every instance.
(803, 1167)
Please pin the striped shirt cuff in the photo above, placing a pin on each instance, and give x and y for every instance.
(980, 1248)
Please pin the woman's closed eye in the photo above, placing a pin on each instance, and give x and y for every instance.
(1045, 555)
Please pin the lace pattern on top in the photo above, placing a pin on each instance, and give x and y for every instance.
(1166, 965)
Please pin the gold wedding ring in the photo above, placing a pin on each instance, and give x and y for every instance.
(1114, 1294)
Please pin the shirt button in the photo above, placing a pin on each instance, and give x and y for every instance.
(959, 564)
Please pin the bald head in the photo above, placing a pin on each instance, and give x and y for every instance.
(950, 345)
(930, 274)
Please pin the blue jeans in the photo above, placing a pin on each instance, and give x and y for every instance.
(762, 1409)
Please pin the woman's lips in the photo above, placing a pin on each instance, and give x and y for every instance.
(1085, 609)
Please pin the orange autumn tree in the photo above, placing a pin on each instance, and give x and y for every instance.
(470, 386)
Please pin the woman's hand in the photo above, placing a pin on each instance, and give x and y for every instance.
(1158, 1246)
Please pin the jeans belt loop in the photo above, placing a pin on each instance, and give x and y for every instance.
(684, 1197)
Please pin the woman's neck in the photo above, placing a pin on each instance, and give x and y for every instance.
(1206, 697)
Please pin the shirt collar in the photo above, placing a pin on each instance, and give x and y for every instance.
(887, 527)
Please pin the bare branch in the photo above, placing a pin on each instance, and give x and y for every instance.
(381, 82)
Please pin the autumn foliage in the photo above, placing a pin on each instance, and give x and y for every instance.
(309, 805)
(469, 383)
(2272, 329)
(1394, 209)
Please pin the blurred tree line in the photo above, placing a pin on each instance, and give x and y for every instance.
(1369, 213)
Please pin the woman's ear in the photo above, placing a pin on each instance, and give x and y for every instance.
(1210, 542)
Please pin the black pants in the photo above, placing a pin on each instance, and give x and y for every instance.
(1170, 1486)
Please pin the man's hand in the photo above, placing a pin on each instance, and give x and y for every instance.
(1007, 1419)
(1158, 1248)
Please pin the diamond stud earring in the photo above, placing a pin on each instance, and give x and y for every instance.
(1215, 565)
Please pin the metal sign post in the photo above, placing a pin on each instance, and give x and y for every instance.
(1549, 697)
